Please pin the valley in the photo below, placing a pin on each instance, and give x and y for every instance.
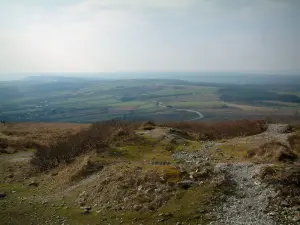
(86, 100)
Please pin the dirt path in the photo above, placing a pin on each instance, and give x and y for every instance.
(249, 203)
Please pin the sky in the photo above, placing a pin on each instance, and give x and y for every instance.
(149, 35)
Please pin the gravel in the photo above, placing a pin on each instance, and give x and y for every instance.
(249, 203)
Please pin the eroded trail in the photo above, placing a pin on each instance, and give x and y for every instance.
(248, 204)
(275, 132)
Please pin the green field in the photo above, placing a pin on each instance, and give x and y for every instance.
(84, 100)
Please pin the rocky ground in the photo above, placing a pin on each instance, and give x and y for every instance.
(250, 201)
(248, 204)
(190, 184)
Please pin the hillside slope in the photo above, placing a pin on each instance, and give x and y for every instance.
(123, 173)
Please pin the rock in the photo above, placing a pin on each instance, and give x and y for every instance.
(285, 204)
(33, 184)
(296, 219)
(186, 184)
(54, 173)
(87, 210)
(2, 195)
(166, 214)
(272, 214)
(140, 188)
(82, 194)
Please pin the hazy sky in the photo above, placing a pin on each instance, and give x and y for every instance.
(149, 35)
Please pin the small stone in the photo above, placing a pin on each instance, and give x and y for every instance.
(54, 173)
(284, 203)
(33, 184)
(140, 188)
(82, 193)
(296, 219)
(88, 208)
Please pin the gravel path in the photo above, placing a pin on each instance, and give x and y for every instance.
(249, 203)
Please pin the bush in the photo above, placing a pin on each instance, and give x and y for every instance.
(213, 131)
(294, 141)
(98, 137)
(293, 127)
(148, 125)
(3, 144)
(286, 179)
(273, 152)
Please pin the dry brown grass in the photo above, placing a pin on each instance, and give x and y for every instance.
(99, 137)
(293, 127)
(273, 152)
(39, 133)
(286, 179)
(294, 141)
(213, 131)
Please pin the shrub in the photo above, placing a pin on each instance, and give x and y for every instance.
(3, 144)
(148, 125)
(273, 152)
(98, 137)
(286, 179)
(213, 131)
(292, 127)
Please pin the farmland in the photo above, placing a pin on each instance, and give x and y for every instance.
(61, 99)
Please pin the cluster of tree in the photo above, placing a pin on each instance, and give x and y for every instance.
(240, 94)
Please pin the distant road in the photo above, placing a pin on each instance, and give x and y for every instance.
(199, 114)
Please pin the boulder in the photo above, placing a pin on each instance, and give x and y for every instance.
(33, 184)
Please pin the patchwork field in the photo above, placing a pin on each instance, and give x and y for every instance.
(86, 100)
